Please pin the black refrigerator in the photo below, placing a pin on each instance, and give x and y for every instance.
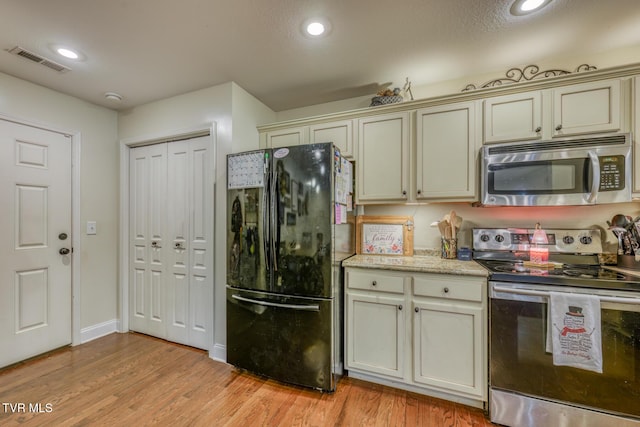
(288, 229)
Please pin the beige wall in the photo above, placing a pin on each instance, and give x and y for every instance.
(236, 114)
(453, 86)
(99, 184)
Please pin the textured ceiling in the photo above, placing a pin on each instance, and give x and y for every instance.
(147, 50)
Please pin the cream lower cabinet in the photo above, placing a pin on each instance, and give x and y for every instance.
(376, 325)
(449, 334)
(375, 322)
(418, 331)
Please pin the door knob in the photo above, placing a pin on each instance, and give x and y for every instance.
(64, 251)
(62, 236)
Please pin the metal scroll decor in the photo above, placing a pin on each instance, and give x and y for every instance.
(530, 72)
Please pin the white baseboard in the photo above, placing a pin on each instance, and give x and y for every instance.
(92, 332)
(219, 353)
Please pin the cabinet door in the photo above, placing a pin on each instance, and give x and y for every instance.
(287, 137)
(340, 133)
(516, 117)
(636, 138)
(448, 347)
(383, 158)
(587, 108)
(375, 333)
(447, 153)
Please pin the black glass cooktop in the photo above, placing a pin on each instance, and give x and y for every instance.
(582, 275)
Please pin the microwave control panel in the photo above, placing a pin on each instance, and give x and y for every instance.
(611, 173)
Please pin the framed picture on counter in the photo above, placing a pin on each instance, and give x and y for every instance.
(384, 235)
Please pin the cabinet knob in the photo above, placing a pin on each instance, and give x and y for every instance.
(446, 290)
(419, 192)
(400, 307)
(417, 310)
(374, 283)
(559, 127)
(538, 129)
(404, 193)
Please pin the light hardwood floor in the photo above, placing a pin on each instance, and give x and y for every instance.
(132, 379)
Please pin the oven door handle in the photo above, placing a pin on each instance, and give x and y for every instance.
(302, 307)
(595, 181)
(533, 293)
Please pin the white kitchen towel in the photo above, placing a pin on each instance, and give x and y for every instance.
(575, 329)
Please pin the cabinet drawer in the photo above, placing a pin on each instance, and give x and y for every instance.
(446, 286)
(375, 281)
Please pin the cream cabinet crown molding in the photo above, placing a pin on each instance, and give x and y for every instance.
(546, 83)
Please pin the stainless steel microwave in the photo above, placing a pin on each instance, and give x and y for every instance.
(584, 170)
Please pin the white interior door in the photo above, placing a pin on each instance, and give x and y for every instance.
(171, 245)
(35, 278)
(147, 221)
(190, 225)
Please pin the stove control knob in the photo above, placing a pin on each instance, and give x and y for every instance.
(484, 237)
(568, 240)
(585, 240)
(499, 238)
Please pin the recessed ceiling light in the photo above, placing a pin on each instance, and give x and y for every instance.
(316, 27)
(67, 53)
(524, 7)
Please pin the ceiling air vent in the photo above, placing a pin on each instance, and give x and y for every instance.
(39, 59)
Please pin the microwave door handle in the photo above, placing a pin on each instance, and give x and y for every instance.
(595, 181)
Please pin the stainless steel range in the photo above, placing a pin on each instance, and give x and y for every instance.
(527, 387)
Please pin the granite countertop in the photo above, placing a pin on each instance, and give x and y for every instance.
(423, 263)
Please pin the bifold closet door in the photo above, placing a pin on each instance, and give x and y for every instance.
(147, 222)
(171, 223)
(189, 229)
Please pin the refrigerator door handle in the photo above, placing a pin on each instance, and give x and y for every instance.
(274, 220)
(265, 227)
(305, 307)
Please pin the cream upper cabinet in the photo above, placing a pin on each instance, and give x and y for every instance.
(578, 109)
(340, 133)
(382, 166)
(287, 137)
(448, 141)
(587, 108)
(515, 117)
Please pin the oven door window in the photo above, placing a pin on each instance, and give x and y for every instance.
(564, 176)
(519, 361)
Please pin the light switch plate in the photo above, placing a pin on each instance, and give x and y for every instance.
(92, 227)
